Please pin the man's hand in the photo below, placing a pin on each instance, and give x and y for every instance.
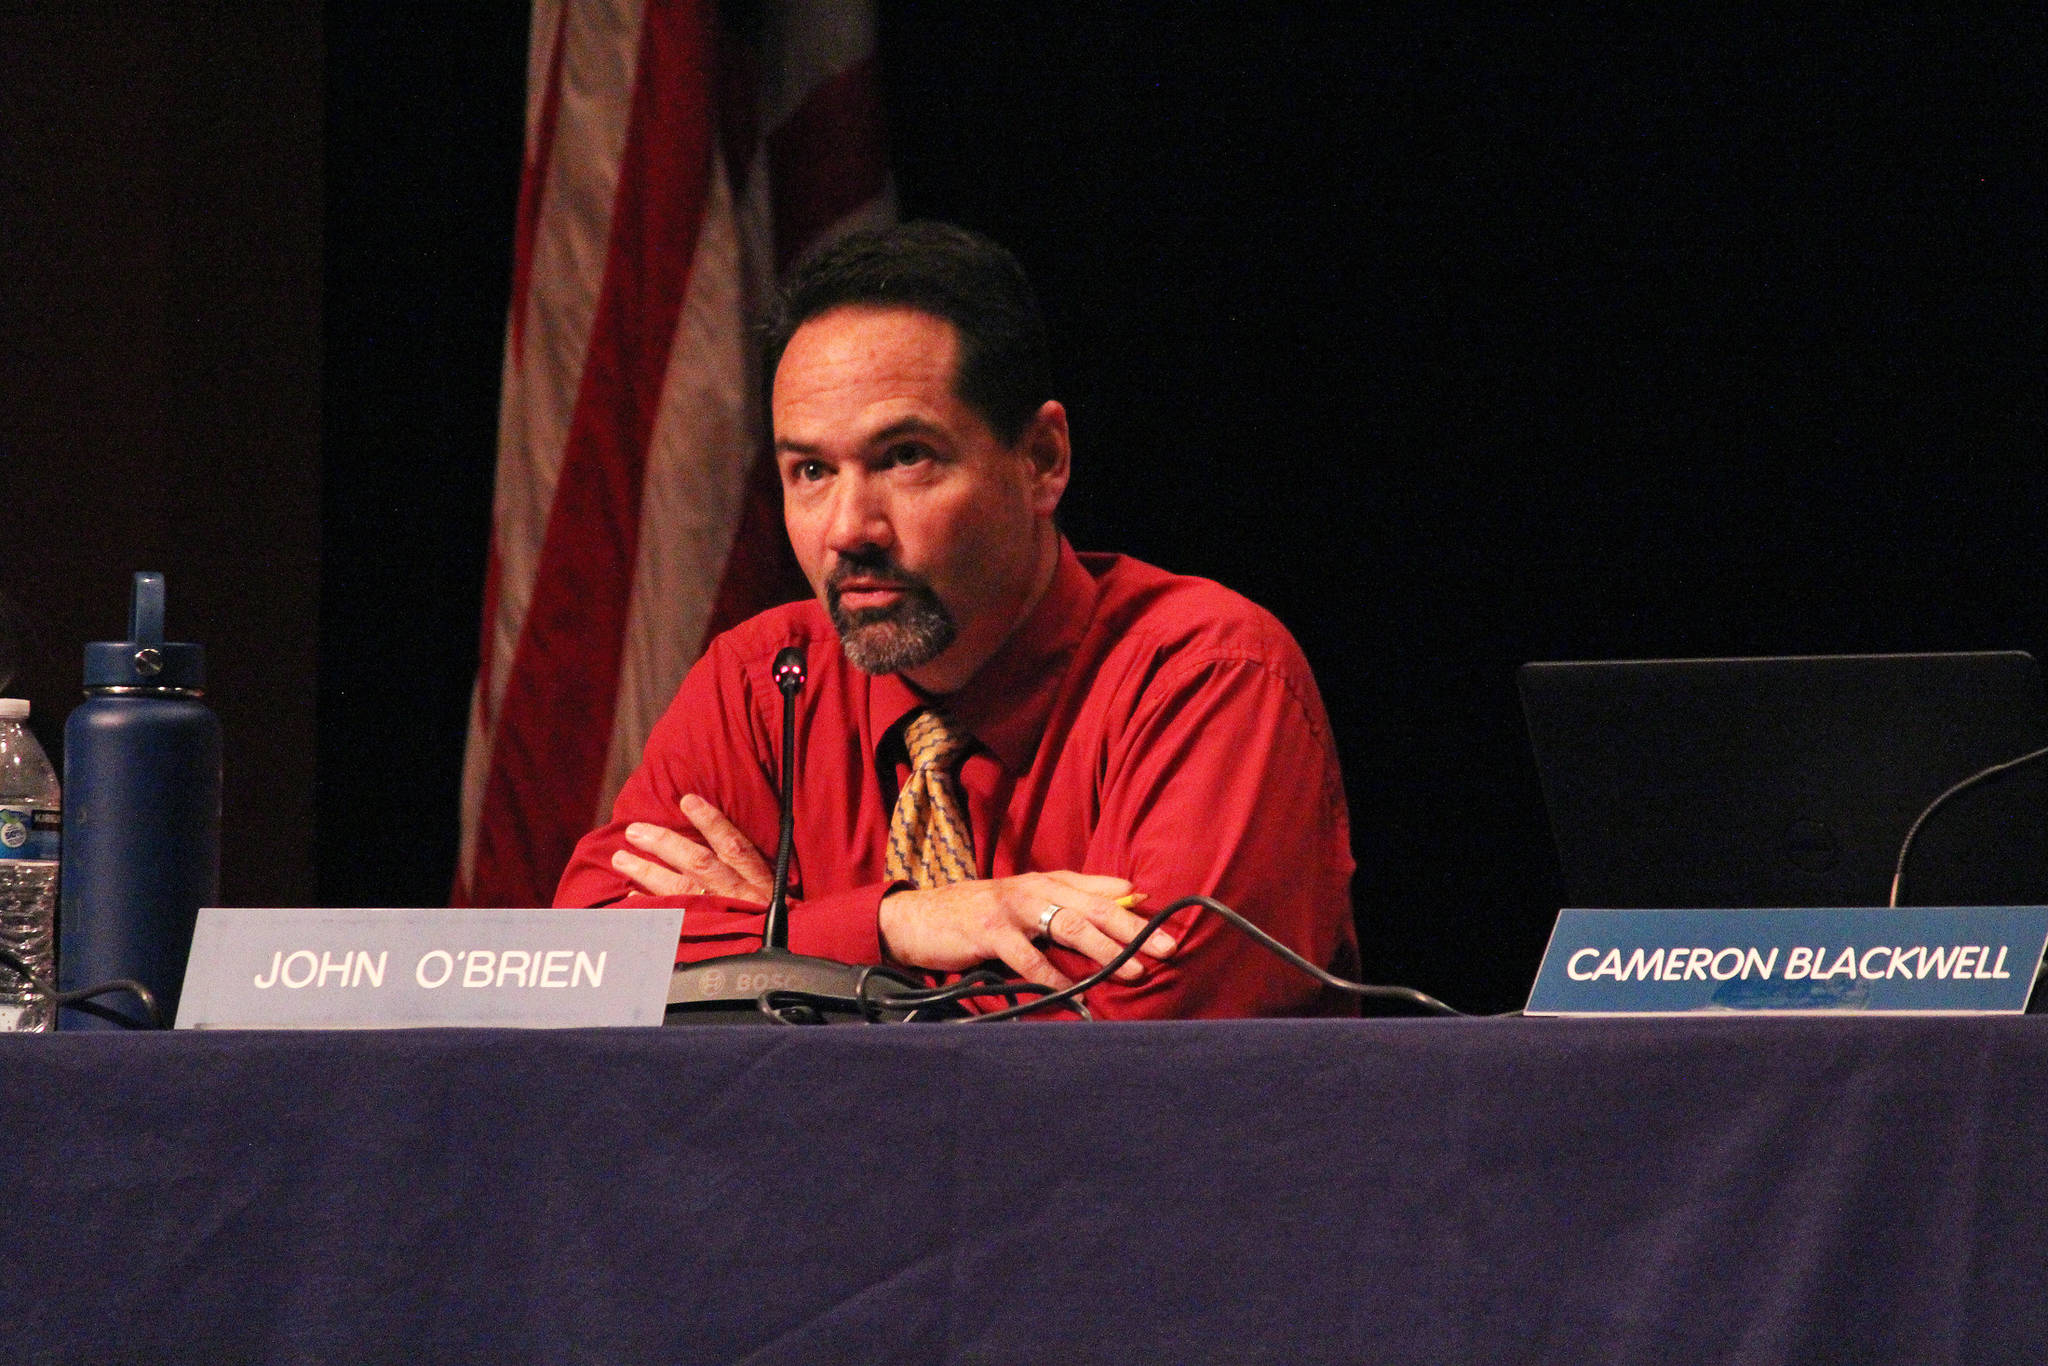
(727, 863)
(956, 927)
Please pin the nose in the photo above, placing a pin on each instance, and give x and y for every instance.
(859, 515)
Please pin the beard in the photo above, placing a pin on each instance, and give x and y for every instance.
(914, 630)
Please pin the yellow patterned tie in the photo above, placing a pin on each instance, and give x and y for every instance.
(930, 843)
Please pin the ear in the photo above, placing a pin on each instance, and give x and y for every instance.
(1046, 447)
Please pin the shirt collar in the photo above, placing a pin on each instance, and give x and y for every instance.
(1007, 702)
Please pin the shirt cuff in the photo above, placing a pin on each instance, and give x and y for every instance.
(843, 926)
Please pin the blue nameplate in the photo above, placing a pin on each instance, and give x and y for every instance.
(334, 968)
(1951, 960)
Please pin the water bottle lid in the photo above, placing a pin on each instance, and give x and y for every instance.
(145, 659)
(13, 709)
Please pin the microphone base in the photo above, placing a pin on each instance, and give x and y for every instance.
(727, 990)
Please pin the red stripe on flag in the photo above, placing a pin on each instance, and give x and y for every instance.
(532, 181)
(827, 158)
(547, 760)
(533, 178)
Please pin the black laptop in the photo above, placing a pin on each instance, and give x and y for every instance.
(1791, 781)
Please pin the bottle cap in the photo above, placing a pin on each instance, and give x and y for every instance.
(13, 708)
(145, 659)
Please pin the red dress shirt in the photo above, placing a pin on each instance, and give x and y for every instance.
(1138, 724)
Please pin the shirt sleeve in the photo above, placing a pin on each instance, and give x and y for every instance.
(711, 742)
(1225, 783)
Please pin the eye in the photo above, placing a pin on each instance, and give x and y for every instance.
(909, 453)
(807, 471)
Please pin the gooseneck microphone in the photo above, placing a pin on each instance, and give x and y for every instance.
(763, 986)
(788, 672)
(1906, 845)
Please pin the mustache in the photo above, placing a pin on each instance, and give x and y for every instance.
(876, 567)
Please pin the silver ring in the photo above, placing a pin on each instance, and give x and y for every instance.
(1052, 908)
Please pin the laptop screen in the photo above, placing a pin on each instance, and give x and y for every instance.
(1791, 781)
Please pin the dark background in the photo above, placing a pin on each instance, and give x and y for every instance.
(160, 375)
(1456, 342)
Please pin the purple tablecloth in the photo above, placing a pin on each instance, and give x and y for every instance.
(1290, 1191)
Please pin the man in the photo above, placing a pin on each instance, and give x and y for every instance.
(1004, 748)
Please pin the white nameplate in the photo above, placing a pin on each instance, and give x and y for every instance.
(346, 968)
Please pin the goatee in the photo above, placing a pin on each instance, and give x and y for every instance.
(913, 630)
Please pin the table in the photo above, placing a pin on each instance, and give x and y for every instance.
(1265, 1191)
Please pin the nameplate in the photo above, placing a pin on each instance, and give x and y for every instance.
(1939, 960)
(411, 969)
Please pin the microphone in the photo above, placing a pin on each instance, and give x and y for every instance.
(740, 988)
(1906, 846)
(788, 672)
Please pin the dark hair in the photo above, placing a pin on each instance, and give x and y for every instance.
(1004, 373)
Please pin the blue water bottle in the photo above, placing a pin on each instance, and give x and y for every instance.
(142, 811)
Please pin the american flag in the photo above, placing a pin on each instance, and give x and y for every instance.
(680, 154)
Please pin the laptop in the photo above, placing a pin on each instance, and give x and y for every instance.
(1791, 781)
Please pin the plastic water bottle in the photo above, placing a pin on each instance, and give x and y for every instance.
(142, 854)
(31, 827)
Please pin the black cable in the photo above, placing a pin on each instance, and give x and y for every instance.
(792, 1007)
(98, 1011)
(980, 982)
(1009, 989)
(14, 963)
(1404, 995)
(1906, 845)
(786, 1005)
(914, 997)
(83, 999)
(919, 994)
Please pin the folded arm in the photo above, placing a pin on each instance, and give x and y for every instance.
(1225, 783)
